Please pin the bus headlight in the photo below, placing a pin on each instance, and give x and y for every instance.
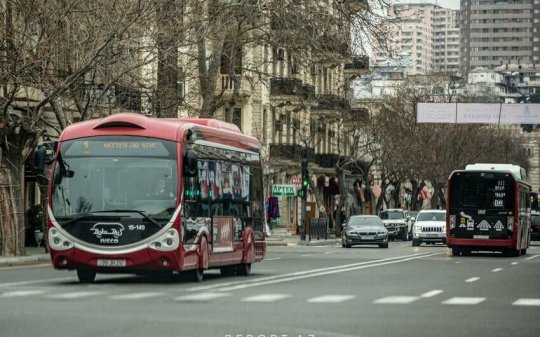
(167, 242)
(57, 241)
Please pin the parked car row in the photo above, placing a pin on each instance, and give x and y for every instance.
(425, 226)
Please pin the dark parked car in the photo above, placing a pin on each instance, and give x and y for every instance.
(396, 220)
(535, 225)
(364, 230)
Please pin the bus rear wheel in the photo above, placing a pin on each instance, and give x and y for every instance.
(198, 274)
(86, 275)
(244, 269)
(456, 251)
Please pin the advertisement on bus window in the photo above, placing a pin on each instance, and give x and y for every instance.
(223, 234)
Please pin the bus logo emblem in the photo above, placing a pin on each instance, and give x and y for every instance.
(108, 229)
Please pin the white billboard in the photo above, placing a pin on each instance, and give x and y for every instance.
(478, 113)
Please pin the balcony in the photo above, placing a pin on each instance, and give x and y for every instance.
(327, 160)
(332, 102)
(358, 66)
(308, 92)
(292, 152)
(227, 82)
(285, 87)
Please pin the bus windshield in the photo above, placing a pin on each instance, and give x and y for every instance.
(129, 181)
(482, 190)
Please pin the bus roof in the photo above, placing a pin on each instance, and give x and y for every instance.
(516, 170)
(174, 129)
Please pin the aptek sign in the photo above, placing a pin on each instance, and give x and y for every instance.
(283, 190)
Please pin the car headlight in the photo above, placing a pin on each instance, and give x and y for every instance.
(417, 228)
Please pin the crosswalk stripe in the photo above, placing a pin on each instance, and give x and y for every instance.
(496, 270)
(201, 297)
(431, 293)
(396, 300)
(472, 279)
(527, 302)
(464, 300)
(21, 293)
(265, 298)
(74, 295)
(331, 299)
(136, 296)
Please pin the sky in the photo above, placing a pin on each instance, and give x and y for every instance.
(451, 4)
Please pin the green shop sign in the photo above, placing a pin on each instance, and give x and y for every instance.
(283, 190)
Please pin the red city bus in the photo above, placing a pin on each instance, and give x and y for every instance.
(130, 193)
(488, 209)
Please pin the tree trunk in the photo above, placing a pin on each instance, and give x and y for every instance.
(11, 215)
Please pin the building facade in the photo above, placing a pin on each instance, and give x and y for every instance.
(495, 32)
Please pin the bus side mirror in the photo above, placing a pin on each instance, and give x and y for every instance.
(190, 163)
(44, 155)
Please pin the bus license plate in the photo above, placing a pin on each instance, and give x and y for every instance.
(481, 236)
(111, 263)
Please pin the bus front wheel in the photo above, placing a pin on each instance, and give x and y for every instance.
(86, 275)
(456, 251)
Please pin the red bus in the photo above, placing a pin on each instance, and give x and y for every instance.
(488, 209)
(130, 193)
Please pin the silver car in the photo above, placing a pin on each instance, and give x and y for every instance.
(429, 227)
(364, 230)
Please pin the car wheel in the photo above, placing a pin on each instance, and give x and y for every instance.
(415, 243)
(405, 236)
(347, 245)
(383, 245)
(524, 251)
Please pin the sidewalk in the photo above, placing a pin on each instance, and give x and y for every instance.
(34, 255)
(280, 237)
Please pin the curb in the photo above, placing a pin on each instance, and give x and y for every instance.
(24, 260)
(318, 243)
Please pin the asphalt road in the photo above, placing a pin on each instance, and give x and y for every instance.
(297, 291)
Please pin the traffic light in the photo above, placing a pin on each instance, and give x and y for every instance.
(302, 192)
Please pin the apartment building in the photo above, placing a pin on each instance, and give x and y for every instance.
(495, 32)
(428, 32)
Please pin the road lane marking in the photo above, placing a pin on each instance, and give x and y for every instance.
(527, 302)
(330, 299)
(9, 284)
(304, 255)
(21, 293)
(273, 259)
(532, 257)
(135, 296)
(464, 300)
(472, 279)
(514, 263)
(328, 272)
(328, 253)
(396, 300)
(267, 298)
(496, 270)
(74, 295)
(306, 272)
(431, 293)
(201, 297)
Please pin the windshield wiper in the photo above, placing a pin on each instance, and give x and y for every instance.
(154, 222)
(73, 220)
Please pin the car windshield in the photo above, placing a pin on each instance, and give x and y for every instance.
(365, 221)
(392, 215)
(431, 216)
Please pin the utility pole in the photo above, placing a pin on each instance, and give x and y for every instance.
(302, 193)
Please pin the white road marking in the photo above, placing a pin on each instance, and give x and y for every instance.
(265, 298)
(74, 295)
(201, 297)
(135, 296)
(496, 270)
(472, 279)
(273, 259)
(532, 257)
(396, 300)
(235, 285)
(527, 302)
(306, 255)
(464, 300)
(431, 293)
(21, 293)
(328, 253)
(331, 299)
(514, 263)
(38, 281)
